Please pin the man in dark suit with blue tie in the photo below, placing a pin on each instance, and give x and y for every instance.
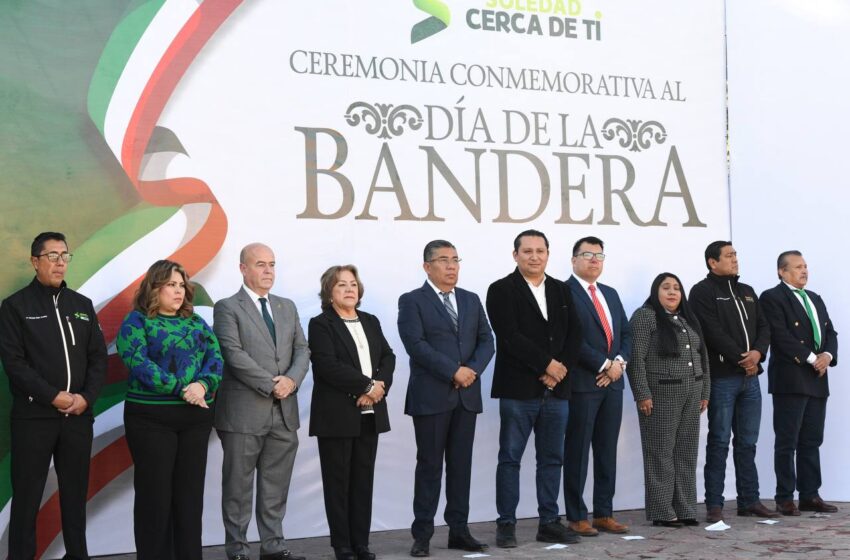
(596, 405)
(446, 334)
(803, 345)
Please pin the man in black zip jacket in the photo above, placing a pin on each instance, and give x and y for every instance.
(53, 352)
(737, 336)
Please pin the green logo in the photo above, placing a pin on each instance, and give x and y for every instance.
(439, 20)
(81, 316)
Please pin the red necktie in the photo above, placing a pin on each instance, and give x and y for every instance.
(602, 318)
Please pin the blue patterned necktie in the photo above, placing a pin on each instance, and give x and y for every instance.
(268, 319)
(450, 308)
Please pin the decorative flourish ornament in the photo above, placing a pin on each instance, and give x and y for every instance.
(383, 119)
(634, 134)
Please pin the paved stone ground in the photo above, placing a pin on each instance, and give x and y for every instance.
(802, 537)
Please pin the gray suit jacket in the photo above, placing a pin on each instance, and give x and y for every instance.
(251, 359)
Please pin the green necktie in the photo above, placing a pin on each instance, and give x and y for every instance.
(811, 315)
(268, 319)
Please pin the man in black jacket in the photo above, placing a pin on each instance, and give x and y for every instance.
(803, 345)
(538, 336)
(737, 336)
(53, 352)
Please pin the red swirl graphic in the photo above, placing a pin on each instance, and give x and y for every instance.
(110, 462)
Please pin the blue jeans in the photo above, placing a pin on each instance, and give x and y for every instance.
(548, 417)
(735, 407)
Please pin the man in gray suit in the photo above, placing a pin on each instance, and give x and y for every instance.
(266, 358)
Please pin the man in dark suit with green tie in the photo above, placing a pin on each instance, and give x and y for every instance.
(803, 346)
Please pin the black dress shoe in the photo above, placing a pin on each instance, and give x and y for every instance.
(818, 505)
(787, 508)
(757, 510)
(506, 535)
(420, 549)
(555, 532)
(344, 553)
(672, 523)
(690, 522)
(363, 553)
(465, 541)
(282, 555)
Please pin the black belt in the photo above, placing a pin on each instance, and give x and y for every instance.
(677, 381)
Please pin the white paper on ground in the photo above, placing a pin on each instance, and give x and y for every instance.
(476, 555)
(768, 522)
(719, 526)
(556, 546)
(820, 515)
(633, 538)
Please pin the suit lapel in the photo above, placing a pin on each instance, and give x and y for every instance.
(344, 335)
(584, 298)
(278, 316)
(522, 285)
(253, 313)
(372, 339)
(437, 302)
(798, 308)
(553, 298)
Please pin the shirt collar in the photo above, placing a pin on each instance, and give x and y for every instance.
(254, 296)
(792, 288)
(436, 289)
(584, 283)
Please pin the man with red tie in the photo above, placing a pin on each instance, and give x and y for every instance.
(596, 406)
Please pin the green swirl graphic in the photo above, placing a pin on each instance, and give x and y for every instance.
(439, 20)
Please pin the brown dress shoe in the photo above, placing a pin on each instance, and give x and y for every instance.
(583, 528)
(714, 514)
(787, 508)
(818, 505)
(757, 510)
(609, 525)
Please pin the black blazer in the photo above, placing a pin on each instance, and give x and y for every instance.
(337, 379)
(526, 342)
(791, 341)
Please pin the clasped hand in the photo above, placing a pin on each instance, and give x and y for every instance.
(373, 397)
(194, 393)
(70, 403)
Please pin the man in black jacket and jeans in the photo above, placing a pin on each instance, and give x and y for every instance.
(538, 337)
(737, 336)
(53, 352)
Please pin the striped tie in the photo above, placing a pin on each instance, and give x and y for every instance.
(450, 308)
(609, 336)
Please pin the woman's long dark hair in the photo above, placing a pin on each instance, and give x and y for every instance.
(667, 342)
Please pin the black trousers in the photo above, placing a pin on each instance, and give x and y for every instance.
(348, 472)
(798, 422)
(67, 440)
(595, 419)
(449, 434)
(169, 448)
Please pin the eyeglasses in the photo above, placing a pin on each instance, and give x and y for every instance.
(54, 257)
(445, 261)
(587, 255)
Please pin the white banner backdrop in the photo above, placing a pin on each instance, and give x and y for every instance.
(343, 131)
(789, 178)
